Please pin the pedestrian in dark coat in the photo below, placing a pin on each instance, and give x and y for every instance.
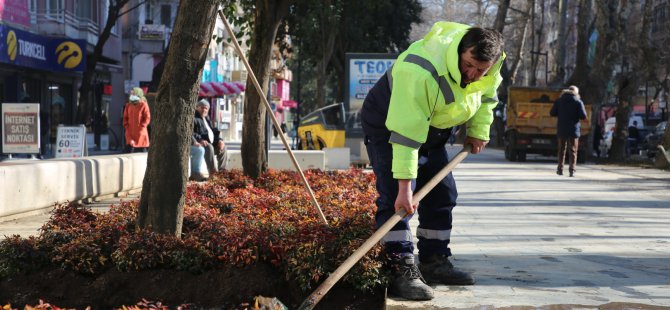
(569, 109)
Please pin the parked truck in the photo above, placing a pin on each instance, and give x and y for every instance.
(531, 130)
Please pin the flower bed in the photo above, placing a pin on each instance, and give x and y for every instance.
(240, 237)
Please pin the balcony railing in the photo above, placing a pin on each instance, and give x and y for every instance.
(56, 21)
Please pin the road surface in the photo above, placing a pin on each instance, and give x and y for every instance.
(533, 238)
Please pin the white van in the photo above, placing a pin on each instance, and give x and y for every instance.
(610, 122)
(609, 128)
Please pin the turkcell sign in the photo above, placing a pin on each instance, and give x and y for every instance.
(363, 74)
(25, 49)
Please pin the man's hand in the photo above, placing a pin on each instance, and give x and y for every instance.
(204, 143)
(220, 145)
(477, 145)
(404, 199)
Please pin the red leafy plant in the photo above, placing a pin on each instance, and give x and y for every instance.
(231, 220)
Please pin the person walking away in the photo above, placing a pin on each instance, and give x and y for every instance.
(448, 78)
(568, 109)
(207, 136)
(136, 118)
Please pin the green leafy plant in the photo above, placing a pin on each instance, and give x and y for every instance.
(231, 220)
(20, 255)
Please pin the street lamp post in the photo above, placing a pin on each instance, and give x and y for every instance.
(546, 64)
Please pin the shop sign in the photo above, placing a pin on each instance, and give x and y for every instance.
(151, 32)
(363, 72)
(25, 49)
(21, 128)
(70, 141)
(15, 11)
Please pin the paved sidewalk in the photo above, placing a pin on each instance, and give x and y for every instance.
(535, 239)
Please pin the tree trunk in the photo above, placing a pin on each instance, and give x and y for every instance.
(499, 24)
(537, 34)
(327, 43)
(268, 17)
(519, 52)
(643, 60)
(562, 34)
(164, 186)
(85, 108)
(584, 29)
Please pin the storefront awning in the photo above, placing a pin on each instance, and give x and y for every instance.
(219, 89)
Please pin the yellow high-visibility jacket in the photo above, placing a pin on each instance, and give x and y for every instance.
(416, 104)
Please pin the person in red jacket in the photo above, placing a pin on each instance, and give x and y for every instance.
(136, 118)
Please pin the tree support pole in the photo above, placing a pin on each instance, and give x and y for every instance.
(272, 116)
(321, 291)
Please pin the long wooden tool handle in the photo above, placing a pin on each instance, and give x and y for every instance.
(268, 110)
(321, 291)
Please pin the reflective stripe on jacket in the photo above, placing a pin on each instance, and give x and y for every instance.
(426, 92)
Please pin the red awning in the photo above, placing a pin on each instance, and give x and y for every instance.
(219, 89)
(289, 104)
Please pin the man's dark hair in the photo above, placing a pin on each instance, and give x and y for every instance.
(488, 43)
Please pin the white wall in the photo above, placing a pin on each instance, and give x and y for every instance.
(29, 185)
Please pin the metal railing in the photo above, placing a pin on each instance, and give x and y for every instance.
(64, 18)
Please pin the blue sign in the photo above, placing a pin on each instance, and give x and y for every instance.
(363, 74)
(25, 49)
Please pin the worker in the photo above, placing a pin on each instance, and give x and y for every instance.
(448, 78)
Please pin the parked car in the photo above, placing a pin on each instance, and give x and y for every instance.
(610, 123)
(654, 138)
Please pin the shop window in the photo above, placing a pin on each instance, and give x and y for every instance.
(84, 9)
(147, 12)
(58, 109)
(32, 10)
(166, 15)
(54, 9)
(29, 90)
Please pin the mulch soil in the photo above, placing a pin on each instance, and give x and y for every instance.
(233, 288)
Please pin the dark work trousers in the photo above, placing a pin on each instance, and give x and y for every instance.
(570, 146)
(434, 210)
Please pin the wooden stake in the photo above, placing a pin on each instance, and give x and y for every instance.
(321, 291)
(268, 109)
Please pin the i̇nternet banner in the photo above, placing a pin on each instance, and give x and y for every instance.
(21, 128)
(25, 49)
(363, 74)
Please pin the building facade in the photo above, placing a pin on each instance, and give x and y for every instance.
(146, 33)
(44, 52)
(225, 68)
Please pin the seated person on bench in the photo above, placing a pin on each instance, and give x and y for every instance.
(207, 137)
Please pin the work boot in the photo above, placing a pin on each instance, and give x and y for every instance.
(572, 172)
(407, 282)
(559, 171)
(438, 269)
